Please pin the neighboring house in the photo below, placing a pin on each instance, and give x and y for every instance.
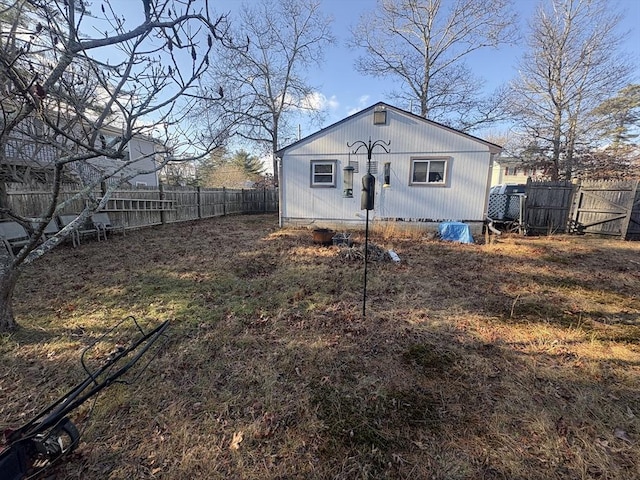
(30, 162)
(513, 170)
(431, 174)
(143, 152)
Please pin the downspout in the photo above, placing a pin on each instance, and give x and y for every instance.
(278, 162)
(492, 157)
(488, 222)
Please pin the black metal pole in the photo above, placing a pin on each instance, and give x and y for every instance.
(369, 147)
(366, 263)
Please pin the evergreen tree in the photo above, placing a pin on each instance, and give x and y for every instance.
(619, 116)
(250, 164)
(237, 170)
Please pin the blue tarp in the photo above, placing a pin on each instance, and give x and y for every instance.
(455, 232)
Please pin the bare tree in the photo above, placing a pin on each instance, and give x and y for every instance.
(573, 63)
(616, 121)
(424, 45)
(77, 86)
(265, 89)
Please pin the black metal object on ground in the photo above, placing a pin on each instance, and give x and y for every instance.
(49, 436)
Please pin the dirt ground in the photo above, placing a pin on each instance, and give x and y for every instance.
(513, 360)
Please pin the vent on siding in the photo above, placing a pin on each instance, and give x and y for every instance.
(380, 116)
(355, 164)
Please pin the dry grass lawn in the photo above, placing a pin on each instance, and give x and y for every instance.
(514, 360)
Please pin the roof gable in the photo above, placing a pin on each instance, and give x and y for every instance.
(493, 148)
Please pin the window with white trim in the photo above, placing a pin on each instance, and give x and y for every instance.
(114, 142)
(323, 173)
(431, 171)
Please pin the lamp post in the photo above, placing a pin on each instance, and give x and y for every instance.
(367, 201)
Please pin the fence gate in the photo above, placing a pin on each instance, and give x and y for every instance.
(606, 208)
(548, 206)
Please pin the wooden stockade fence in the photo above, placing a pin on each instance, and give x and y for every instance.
(609, 208)
(136, 207)
(548, 206)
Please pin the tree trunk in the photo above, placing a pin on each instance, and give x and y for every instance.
(8, 279)
(4, 200)
(274, 149)
(556, 141)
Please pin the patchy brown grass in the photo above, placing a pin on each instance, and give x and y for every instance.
(515, 360)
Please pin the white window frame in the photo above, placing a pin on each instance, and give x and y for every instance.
(333, 175)
(108, 138)
(428, 160)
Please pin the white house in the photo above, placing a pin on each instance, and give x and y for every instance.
(430, 174)
(141, 159)
(514, 170)
(29, 161)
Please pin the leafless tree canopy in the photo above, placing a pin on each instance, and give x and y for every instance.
(572, 65)
(424, 43)
(78, 80)
(265, 87)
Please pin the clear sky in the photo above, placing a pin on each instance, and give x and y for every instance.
(347, 91)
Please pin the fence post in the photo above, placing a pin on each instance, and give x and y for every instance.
(627, 219)
(224, 201)
(199, 200)
(161, 195)
(575, 202)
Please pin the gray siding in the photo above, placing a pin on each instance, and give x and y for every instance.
(461, 198)
(145, 151)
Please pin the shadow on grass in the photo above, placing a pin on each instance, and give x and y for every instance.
(271, 371)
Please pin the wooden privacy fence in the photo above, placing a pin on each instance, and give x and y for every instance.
(138, 207)
(548, 207)
(608, 207)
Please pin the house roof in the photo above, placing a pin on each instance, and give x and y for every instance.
(492, 146)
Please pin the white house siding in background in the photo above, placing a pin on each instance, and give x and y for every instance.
(27, 161)
(461, 197)
(513, 170)
(142, 153)
(145, 150)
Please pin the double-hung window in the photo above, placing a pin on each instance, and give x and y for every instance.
(323, 173)
(429, 171)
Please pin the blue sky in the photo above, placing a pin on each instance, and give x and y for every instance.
(347, 91)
